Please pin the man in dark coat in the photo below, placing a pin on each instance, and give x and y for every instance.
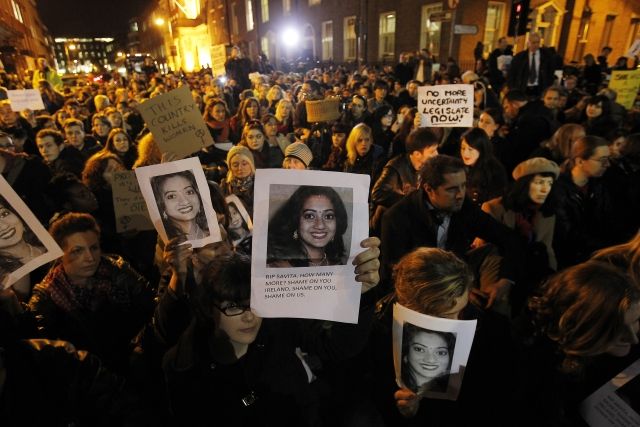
(531, 70)
(238, 68)
(439, 215)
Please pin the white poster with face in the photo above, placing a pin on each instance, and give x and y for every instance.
(430, 353)
(178, 200)
(308, 226)
(24, 243)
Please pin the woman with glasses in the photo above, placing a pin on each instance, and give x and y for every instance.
(384, 128)
(231, 364)
(584, 215)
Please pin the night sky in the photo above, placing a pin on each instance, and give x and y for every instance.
(90, 18)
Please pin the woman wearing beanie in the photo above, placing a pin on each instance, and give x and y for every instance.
(239, 180)
(297, 156)
(529, 209)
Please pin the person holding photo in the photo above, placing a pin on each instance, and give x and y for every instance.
(238, 230)
(18, 244)
(180, 205)
(240, 177)
(307, 231)
(426, 360)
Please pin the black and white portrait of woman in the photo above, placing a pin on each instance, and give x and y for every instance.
(309, 229)
(24, 243)
(179, 201)
(240, 224)
(426, 359)
(180, 205)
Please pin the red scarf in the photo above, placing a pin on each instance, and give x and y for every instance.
(224, 126)
(69, 297)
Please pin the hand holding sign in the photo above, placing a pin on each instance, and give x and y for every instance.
(446, 105)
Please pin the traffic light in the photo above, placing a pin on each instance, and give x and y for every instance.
(519, 18)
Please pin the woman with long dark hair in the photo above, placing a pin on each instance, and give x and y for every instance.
(486, 176)
(308, 229)
(120, 144)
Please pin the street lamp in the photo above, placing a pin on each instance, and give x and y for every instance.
(290, 37)
(160, 22)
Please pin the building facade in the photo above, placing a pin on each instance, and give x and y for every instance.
(84, 55)
(376, 31)
(23, 36)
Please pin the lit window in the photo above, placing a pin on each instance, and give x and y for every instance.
(249, 15)
(16, 11)
(387, 40)
(430, 29)
(327, 40)
(314, 2)
(349, 38)
(264, 9)
(234, 18)
(493, 26)
(286, 6)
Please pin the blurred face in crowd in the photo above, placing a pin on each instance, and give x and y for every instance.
(449, 196)
(337, 139)
(357, 107)
(115, 118)
(468, 154)
(570, 83)
(594, 110)
(283, 110)
(240, 166)
(293, 163)
(121, 142)
(596, 165)
(418, 158)
(75, 136)
(417, 120)
(534, 42)
(550, 99)
(387, 119)
(271, 127)
(621, 345)
(81, 199)
(380, 93)
(412, 88)
(487, 124)
(617, 146)
(81, 256)
(7, 117)
(252, 109)
(218, 112)
(254, 139)
(511, 108)
(363, 144)
(242, 328)
(48, 148)
(6, 143)
(539, 188)
(101, 128)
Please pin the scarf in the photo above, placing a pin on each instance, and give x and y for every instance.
(525, 223)
(69, 297)
(242, 186)
(220, 129)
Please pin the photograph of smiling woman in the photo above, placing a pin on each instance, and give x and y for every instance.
(294, 230)
(180, 205)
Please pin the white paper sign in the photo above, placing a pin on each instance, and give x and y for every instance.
(617, 403)
(26, 245)
(179, 202)
(446, 105)
(430, 353)
(308, 226)
(634, 50)
(25, 99)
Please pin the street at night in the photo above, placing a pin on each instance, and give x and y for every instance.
(320, 213)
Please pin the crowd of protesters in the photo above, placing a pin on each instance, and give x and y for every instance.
(528, 222)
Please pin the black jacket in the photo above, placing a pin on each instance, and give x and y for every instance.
(398, 178)
(519, 72)
(409, 225)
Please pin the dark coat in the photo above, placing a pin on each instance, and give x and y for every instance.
(398, 178)
(533, 125)
(519, 72)
(69, 161)
(409, 225)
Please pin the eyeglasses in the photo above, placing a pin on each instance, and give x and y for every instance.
(233, 309)
(603, 160)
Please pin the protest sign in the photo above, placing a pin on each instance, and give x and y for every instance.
(634, 50)
(626, 85)
(25, 99)
(446, 105)
(26, 243)
(446, 343)
(176, 122)
(129, 206)
(305, 237)
(179, 202)
(218, 59)
(617, 403)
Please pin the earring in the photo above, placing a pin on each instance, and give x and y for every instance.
(295, 235)
(164, 215)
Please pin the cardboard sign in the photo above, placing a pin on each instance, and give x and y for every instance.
(626, 85)
(449, 342)
(176, 123)
(25, 99)
(446, 105)
(301, 261)
(27, 244)
(129, 206)
(218, 58)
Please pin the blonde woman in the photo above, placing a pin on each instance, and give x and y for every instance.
(239, 180)
(362, 155)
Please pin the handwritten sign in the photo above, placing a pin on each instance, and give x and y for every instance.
(176, 122)
(446, 105)
(218, 58)
(626, 85)
(25, 99)
(129, 206)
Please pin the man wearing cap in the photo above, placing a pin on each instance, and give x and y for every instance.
(297, 156)
(439, 215)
